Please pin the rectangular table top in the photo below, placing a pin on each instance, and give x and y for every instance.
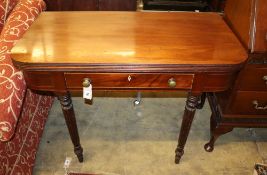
(127, 38)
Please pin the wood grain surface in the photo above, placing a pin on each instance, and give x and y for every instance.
(238, 14)
(130, 38)
(248, 19)
(260, 43)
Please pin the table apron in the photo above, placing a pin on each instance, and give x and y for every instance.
(206, 82)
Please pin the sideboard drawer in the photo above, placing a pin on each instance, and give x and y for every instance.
(254, 79)
(124, 80)
(247, 102)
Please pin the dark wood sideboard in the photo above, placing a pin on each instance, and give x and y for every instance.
(91, 5)
(245, 104)
(182, 5)
(131, 5)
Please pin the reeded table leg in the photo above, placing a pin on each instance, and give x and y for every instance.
(68, 111)
(189, 113)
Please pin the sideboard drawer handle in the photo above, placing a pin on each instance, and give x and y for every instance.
(172, 82)
(265, 78)
(256, 105)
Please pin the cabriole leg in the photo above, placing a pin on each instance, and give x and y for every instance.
(215, 131)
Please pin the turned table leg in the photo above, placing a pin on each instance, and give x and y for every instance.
(190, 108)
(68, 111)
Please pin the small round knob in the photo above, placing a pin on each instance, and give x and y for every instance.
(86, 82)
(264, 78)
(172, 82)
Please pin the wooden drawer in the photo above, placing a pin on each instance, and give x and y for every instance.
(245, 103)
(254, 80)
(124, 80)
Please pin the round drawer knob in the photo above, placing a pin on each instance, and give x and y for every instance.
(172, 82)
(86, 82)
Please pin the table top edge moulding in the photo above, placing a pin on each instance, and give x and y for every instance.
(117, 68)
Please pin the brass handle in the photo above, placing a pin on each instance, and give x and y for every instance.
(265, 78)
(86, 82)
(172, 82)
(256, 105)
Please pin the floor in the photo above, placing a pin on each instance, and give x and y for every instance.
(119, 138)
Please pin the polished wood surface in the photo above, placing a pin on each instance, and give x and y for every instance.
(260, 43)
(248, 19)
(238, 14)
(130, 38)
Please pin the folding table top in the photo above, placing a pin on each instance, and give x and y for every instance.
(127, 38)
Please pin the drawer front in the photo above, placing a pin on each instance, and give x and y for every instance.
(250, 103)
(123, 81)
(254, 80)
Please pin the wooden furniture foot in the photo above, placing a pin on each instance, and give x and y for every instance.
(216, 131)
(189, 113)
(214, 136)
(69, 115)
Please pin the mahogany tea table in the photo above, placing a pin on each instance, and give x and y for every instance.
(64, 52)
